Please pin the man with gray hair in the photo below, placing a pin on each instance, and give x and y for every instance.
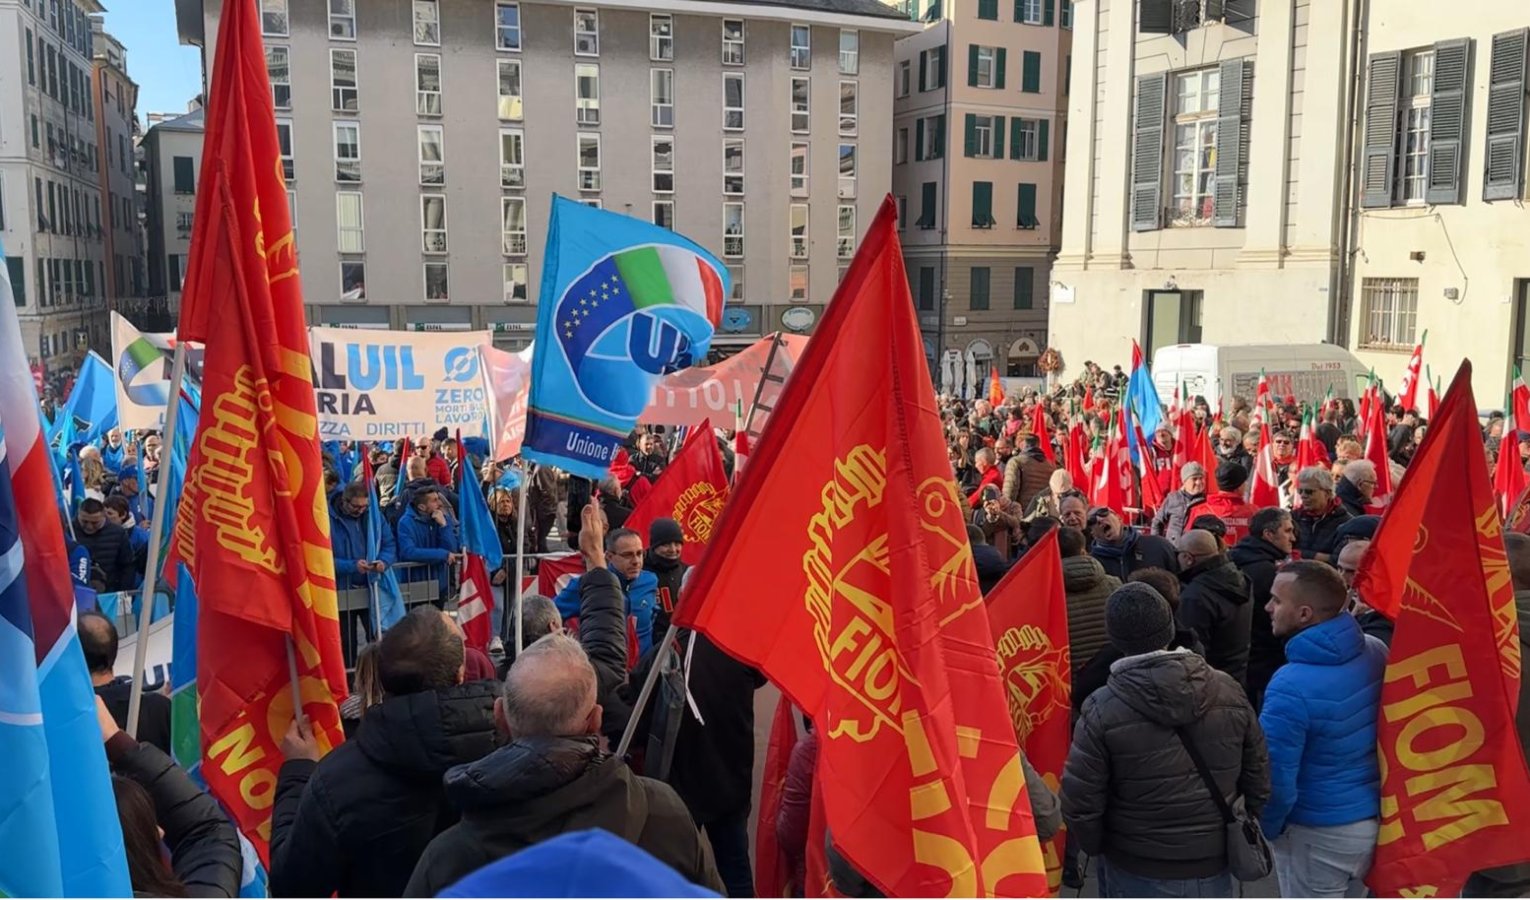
(1320, 514)
(1230, 448)
(1170, 521)
(1358, 486)
(552, 777)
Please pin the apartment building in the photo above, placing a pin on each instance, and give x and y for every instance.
(424, 139)
(115, 96)
(172, 168)
(51, 210)
(980, 120)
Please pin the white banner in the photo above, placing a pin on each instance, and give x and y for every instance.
(385, 385)
(141, 362)
(161, 649)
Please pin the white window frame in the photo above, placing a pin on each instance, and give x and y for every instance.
(1413, 115)
(661, 111)
(513, 241)
(267, 8)
(511, 107)
(900, 147)
(589, 176)
(425, 269)
(354, 127)
(1029, 141)
(845, 246)
(801, 54)
(343, 231)
(798, 222)
(849, 60)
(1031, 12)
(932, 64)
(661, 37)
(337, 92)
(592, 202)
(586, 40)
(733, 48)
(1193, 207)
(426, 23)
(662, 174)
(586, 109)
(342, 24)
(793, 272)
(668, 214)
(289, 163)
(800, 153)
(982, 133)
(733, 243)
(735, 283)
(848, 121)
(503, 32)
(517, 274)
(806, 112)
(905, 76)
(847, 181)
(1389, 309)
(733, 178)
(429, 103)
(990, 57)
(512, 166)
(733, 116)
(360, 296)
(433, 240)
(280, 88)
(432, 172)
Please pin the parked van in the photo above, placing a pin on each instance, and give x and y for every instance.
(1303, 371)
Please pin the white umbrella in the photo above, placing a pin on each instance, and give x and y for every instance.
(947, 375)
(972, 375)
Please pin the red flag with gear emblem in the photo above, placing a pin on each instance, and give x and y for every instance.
(692, 491)
(849, 582)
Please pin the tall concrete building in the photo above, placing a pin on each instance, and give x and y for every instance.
(757, 129)
(51, 211)
(172, 166)
(979, 128)
(116, 100)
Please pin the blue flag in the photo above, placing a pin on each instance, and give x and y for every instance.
(479, 536)
(622, 303)
(1142, 404)
(388, 596)
(176, 453)
(91, 410)
(185, 723)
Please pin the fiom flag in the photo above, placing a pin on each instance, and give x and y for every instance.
(91, 410)
(692, 491)
(850, 519)
(622, 303)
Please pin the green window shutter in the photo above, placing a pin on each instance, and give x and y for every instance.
(16, 268)
(1503, 164)
(939, 124)
(999, 63)
(918, 140)
(1048, 10)
(978, 291)
(1447, 121)
(998, 137)
(1231, 115)
(982, 204)
(924, 58)
(1147, 152)
(1014, 137)
(1378, 158)
(969, 143)
(927, 205)
(972, 65)
(1043, 139)
(1155, 17)
(1025, 287)
(1019, 10)
(1030, 72)
(988, 9)
(1025, 216)
(926, 287)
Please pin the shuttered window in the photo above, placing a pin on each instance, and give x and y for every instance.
(1147, 153)
(1025, 216)
(926, 288)
(927, 212)
(1378, 152)
(1232, 126)
(978, 292)
(1030, 73)
(1504, 158)
(982, 204)
(1025, 287)
(988, 9)
(1447, 121)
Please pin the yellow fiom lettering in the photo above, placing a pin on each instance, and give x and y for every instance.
(1451, 753)
(264, 829)
(1004, 795)
(239, 744)
(258, 788)
(847, 638)
(1423, 890)
(1416, 667)
(1467, 816)
(1427, 699)
(226, 474)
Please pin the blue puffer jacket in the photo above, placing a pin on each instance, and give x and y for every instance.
(1319, 721)
(349, 538)
(421, 540)
(642, 595)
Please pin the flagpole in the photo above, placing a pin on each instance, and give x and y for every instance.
(292, 673)
(647, 691)
(520, 555)
(156, 529)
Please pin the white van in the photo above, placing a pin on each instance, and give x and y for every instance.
(1305, 371)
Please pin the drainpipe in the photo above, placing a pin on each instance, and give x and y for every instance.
(1341, 293)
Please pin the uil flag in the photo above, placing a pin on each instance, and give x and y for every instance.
(252, 525)
(1455, 792)
(91, 410)
(1407, 395)
(691, 491)
(850, 520)
(622, 303)
(1028, 612)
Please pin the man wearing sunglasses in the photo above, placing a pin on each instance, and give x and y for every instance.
(1320, 515)
(1123, 550)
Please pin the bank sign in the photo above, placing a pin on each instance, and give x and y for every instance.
(384, 385)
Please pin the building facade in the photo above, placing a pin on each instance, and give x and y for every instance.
(116, 100)
(52, 218)
(980, 119)
(172, 164)
(759, 130)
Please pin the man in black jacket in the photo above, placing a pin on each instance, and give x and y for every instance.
(1215, 603)
(110, 545)
(666, 541)
(1321, 515)
(98, 638)
(1122, 550)
(1268, 544)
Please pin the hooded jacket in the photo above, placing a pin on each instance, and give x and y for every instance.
(1096, 672)
(1174, 516)
(641, 593)
(1229, 506)
(421, 540)
(1215, 605)
(356, 822)
(1319, 533)
(1087, 587)
(1136, 551)
(1130, 790)
(348, 537)
(1319, 720)
(1257, 559)
(538, 788)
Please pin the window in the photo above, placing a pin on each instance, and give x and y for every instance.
(1025, 141)
(661, 83)
(900, 147)
(432, 154)
(433, 222)
(427, 84)
(427, 23)
(932, 69)
(930, 138)
(984, 67)
(512, 158)
(273, 18)
(517, 283)
(513, 225)
(733, 166)
(587, 97)
(848, 107)
(177, 271)
(799, 284)
(981, 140)
(800, 110)
(348, 151)
(591, 202)
(586, 32)
(342, 80)
(845, 245)
(926, 288)
(1413, 148)
(348, 222)
(183, 224)
(31, 60)
(1195, 145)
(1030, 72)
(849, 52)
(799, 169)
(510, 90)
(802, 49)
(435, 281)
(901, 89)
(589, 162)
(902, 212)
(184, 168)
(733, 101)
(507, 26)
(280, 73)
(1028, 11)
(733, 42)
(733, 229)
(661, 37)
(846, 170)
(353, 280)
(799, 230)
(284, 143)
(1025, 287)
(1025, 207)
(735, 284)
(663, 164)
(1065, 13)
(1390, 312)
(982, 204)
(664, 213)
(342, 20)
(928, 206)
(978, 291)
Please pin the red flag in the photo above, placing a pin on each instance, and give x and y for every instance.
(1184, 438)
(1077, 462)
(1042, 432)
(1261, 402)
(1113, 484)
(474, 601)
(772, 873)
(1265, 491)
(1309, 452)
(1206, 453)
(252, 521)
(555, 572)
(1376, 451)
(1509, 479)
(1407, 395)
(1455, 792)
(995, 388)
(1028, 612)
(1152, 488)
(1520, 400)
(691, 491)
(1088, 398)
(849, 581)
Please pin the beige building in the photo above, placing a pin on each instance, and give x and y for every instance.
(758, 129)
(116, 100)
(980, 123)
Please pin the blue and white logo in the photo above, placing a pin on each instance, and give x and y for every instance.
(461, 364)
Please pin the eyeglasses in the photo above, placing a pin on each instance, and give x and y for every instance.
(1310, 490)
(630, 554)
(1097, 515)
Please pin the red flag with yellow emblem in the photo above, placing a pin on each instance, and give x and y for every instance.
(692, 491)
(253, 524)
(1455, 793)
(849, 581)
(1028, 612)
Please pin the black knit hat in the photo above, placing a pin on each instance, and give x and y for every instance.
(1231, 476)
(665, 531)
(1138, 619)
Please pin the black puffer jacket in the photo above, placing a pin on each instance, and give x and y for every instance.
(355, 823)
(1318, 534)
(603, 634)
(670, 573)
(1215, 605)
(1087, 587)
(539, 788)
(1130, 790)
(111, 548)
(1257, 559)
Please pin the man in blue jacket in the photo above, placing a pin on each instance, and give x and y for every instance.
(624, 549)
(427, 534)
(354, 560)
(1319, 721)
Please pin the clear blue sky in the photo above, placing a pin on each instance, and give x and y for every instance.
(168, 74)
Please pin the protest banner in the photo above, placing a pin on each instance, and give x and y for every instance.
(142, 363)
(714, 392)
(374, 385)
